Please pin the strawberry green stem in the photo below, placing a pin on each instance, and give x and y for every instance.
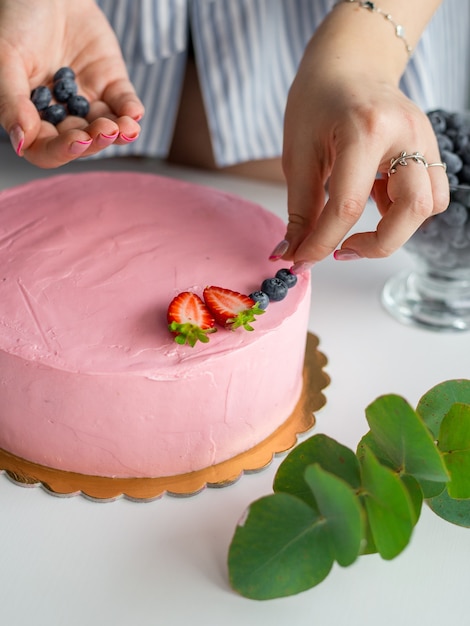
(190, 334)
(245, 318)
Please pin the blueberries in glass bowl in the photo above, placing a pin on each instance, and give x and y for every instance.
(444, 240)
(436, 293)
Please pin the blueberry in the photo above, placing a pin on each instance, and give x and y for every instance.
(452, 160)
(464, 174)
(41, 97)
(444, 142)
(63, 89)
(452, 134)
(451, 234)
(464, 154)
(275, 288)
(455, 214)
(438, 121)
(54, 114)
(453, 179)
(459, 240)
(462, 195)
(458, 121)
(426, 235)
(461, 141)
(78, 105)
(261, 298)
(287, 276)
(429, 228)
(64, 72)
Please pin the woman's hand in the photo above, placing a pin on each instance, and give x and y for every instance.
(345, 120)
(36, 39)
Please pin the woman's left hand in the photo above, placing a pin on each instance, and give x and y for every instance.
(343, 125)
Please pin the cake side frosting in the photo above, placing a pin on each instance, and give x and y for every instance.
(91, 380)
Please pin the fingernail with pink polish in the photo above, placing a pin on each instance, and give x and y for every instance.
(300, 267)
(103, 140)
(17, 139)
(279, 250)
(127, 138)
(112, 136)
(79, 147)
(345, 254)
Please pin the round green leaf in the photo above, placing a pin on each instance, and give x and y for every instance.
(389, 509)
(454, 443)
(280, 548)
(328, 453)
(368, 441)
(418, 489)
(341, 511)
(437, 401)
(452, 510)
(458, 464)
(454, 433)
(405, 439)
(430, 488)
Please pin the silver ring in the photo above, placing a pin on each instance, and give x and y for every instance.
(443, 165)
(417, 157)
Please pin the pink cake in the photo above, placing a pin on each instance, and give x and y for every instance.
(91, 380)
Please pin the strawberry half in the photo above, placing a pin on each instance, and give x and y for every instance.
(190, 319)
(230, 308)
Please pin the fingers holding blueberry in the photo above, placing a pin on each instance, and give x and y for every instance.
(64, 107)
(54, 105)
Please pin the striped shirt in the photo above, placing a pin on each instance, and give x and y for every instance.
(247, 53)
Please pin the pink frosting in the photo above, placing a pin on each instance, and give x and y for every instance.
(91, 380)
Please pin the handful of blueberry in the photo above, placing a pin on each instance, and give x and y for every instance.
(64, 92)
(443, 241)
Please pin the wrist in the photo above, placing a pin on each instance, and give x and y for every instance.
(356, 39)
(372, 7)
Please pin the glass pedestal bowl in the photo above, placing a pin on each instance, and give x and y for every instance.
(435, 294)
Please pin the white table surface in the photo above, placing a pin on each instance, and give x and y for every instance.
(74, 562)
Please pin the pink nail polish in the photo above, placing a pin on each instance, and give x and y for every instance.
(345, 254)
(301, 266)
(127, 138)
(17, 139)
(113, 136)
(103, 140)
(79, 147)
(279, 250)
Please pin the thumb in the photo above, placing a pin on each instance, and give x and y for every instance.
(18, 115)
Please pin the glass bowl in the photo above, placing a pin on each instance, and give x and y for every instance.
(435, 294)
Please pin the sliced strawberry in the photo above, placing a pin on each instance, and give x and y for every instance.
(230, 308)
(190, 319)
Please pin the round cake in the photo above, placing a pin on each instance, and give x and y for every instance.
(91, 379)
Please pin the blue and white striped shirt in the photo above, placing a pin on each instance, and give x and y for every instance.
(247, 53)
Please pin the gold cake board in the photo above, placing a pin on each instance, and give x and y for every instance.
(64, 483)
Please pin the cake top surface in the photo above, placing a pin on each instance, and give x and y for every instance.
(89, 263)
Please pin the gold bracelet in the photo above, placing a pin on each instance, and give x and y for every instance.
(399, 29)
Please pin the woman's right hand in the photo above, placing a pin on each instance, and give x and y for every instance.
(36, 39)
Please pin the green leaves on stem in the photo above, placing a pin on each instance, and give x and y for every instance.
(333, 505)
(438, 411)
